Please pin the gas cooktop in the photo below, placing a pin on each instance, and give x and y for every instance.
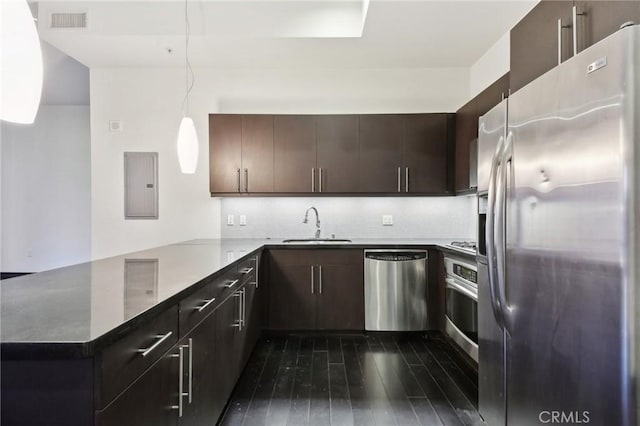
(467, 246)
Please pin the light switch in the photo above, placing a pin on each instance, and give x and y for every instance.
(387, 220)
(243, 220)
(230, 220)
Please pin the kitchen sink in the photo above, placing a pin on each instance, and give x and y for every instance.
(317, 241)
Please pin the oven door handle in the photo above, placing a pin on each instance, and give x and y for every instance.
(452, 284)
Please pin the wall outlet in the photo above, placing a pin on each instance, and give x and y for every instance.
(387, 220)
(115, 126)
(230, 220)
(243, 220)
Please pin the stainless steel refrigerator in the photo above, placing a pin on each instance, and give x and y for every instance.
(559, 203)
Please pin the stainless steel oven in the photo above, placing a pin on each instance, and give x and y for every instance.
(461, 321)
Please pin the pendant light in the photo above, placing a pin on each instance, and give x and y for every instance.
(187, 136)
(21, 66)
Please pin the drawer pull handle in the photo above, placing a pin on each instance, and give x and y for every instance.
(145, 352)
(206, 304)
(246, 271)
(231, 283)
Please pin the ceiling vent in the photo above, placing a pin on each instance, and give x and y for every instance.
(69, 20)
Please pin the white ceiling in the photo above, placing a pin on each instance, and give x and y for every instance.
(284, 33)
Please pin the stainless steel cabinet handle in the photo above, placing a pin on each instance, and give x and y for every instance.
(206, 304)
(162, 338)
(320, 179)
(320, 277)
(190, 370)
(244, 307)
(189, 392)
(231, 283)
(312, 289)
(575, 15)
(238, 322)
(399, 179)
(238, 171)
(246, 180)
(559, 41)
(406, 179)
(180, 380)
(246, 271)
(313, 179)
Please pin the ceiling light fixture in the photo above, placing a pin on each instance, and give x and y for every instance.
(21, 66)
(187, 136)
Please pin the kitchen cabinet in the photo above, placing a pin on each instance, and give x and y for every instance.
(338, 153)
(294, 153)
(151, 400)
(226, 355)
(467, 132)
(381, 153)
(424, 155)
(534, 40)
(199, 379)
(238, 147)
(316, 289)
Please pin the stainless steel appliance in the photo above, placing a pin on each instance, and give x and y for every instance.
(464, 246)
(559, 308)
(395, 290)
(461, 303)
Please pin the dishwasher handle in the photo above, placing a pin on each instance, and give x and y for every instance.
(395, 256)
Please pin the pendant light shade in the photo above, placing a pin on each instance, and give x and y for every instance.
(187, 146)
(21, 66)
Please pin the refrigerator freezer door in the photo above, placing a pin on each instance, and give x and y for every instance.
(567, 215)
(491, 128)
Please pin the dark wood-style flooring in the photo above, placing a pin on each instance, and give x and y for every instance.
(359, 380)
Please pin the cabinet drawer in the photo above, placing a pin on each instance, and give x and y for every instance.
(247, 269)
(195, 308)
(120, 363)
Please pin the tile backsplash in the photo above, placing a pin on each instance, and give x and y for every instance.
(351, 217)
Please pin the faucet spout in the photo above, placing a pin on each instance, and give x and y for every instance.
(306, 220)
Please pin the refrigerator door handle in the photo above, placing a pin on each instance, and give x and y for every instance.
(489, 233)
(500, 228)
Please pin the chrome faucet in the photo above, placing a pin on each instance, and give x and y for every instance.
(306, 220)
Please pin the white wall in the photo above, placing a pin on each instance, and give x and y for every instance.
(491, 66)
(149, 103)
(46, 190)
(449, 218)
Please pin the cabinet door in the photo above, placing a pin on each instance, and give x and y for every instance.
(225, 152)
(425, 153)
(295, 153)
(380, 153)
(257, 153)
(466, 131)
(534, 42)
(292, 299)
(149, 401)
(340, 289)
(338, 153)
(201, 374)
(251, 328)
(600, 19)
(226, 362)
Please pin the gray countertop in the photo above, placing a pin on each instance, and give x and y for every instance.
(80, 303)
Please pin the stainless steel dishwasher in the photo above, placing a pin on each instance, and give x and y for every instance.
(395, 290)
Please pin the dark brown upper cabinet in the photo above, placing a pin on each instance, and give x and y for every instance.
(535, 47)
(225, 153)
(240, 153)
(381, 153)
(338, 154)
(257, 153)
(424, 157)
(467, 130)
(295, 153)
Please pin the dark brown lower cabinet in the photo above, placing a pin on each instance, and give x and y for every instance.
(316, 289)
(150, 400)
(199, 374)
(226, 359)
